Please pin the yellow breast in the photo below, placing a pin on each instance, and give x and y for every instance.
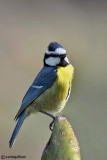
(54, 98)
(65, 76)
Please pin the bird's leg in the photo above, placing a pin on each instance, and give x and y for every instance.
(50, 115)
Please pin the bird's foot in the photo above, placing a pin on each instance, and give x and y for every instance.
(50, 115)
(51, 124)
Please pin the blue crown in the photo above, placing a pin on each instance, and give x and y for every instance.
(53, 46)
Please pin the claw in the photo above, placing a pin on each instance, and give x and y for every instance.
(51, 124)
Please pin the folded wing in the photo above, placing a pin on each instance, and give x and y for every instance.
(43, 81)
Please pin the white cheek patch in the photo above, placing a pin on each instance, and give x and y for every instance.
(58, 51)
(52, 61)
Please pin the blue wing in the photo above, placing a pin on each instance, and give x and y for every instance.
(43, 81)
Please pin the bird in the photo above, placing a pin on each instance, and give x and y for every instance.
(50, 90)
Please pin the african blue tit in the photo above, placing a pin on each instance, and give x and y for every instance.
(51, 88)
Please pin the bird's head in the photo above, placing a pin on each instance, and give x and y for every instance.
(55, 56)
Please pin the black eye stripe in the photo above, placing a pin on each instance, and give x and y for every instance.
(55, 55)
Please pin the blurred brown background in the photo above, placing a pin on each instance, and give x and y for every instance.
(26, 28)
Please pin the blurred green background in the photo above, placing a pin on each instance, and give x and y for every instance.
(26, 28)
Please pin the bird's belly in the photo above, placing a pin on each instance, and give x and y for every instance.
(52, 100)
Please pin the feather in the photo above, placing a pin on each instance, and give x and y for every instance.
(16, 130)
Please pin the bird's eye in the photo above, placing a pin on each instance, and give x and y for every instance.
(52, 54)
(62, 56)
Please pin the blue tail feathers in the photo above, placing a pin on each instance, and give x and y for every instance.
(17, 128)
